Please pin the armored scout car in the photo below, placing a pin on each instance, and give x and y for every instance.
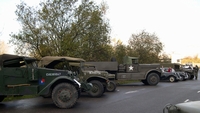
(98, 79)
(19, 75)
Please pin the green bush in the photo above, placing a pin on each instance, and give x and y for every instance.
(11, 98)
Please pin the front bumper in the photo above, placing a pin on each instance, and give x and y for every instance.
(86, 86)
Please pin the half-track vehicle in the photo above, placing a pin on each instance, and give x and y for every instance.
(20, 75)
(149, 74)
(98, 79)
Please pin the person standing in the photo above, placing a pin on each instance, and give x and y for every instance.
(196, 72)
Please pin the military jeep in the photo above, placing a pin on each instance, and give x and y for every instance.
(20, 75)
(89, 68)
(98, 79)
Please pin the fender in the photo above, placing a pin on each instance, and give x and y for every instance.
(98, 77)
(47, 87)
(153, 70)
(102, 79)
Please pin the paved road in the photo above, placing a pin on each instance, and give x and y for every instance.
(132, 98)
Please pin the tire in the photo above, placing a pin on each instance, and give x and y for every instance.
(2, 98)
(172, 79)
(112, 87)
(153, 79)
(97, 90)
(64, 95)
(191, 77)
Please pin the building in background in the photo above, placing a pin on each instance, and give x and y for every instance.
(176, 58)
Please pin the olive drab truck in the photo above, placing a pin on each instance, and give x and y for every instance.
(149, 74)
(20, 75)
(90, 71)
(98, 79)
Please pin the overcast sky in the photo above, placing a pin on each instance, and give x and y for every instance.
(175, 22)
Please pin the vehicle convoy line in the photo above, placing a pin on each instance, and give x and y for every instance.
(66, 82)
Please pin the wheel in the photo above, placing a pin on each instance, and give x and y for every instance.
(1, 98)
(111, 87)
(191, 77)
(64, 95)
(153, 79)
(97, 89)
(172, 79)
(144, 82)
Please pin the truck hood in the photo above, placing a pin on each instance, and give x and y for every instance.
(189, 107)
(95, 72)
(56, 72)
(185, 107)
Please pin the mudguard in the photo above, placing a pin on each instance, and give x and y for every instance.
(153, 70)
(46, 89)
(99, 78)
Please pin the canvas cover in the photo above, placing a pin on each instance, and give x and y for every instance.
(48, 59)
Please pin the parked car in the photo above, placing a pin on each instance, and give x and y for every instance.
(185, 71)
(189, 70)
(170, 74)
(184, 75)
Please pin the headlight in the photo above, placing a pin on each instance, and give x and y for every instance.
(169, 108)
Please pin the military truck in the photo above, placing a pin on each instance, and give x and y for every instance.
(98, 79)
(89, 68)
(149, 74)
(20, 75)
